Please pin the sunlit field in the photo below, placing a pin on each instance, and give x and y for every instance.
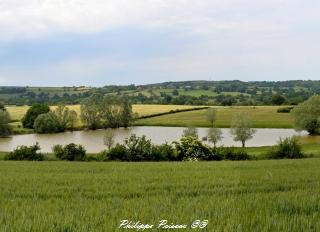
(17, 112)
(282, 195)
(262, 116)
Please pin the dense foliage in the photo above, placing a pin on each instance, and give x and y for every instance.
(289, 148)
(33, 112)
(307, 115)
(5, 128)
(26, 153)
(224, 93)
(100, 111)
(70, 152)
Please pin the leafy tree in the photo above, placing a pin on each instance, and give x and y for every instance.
(289, 148)
(211, 116)
(5, 128)
(33, 112)
(138, 148)
(126, 117)
(190, 132)
(241, 128)
(91, 111)
(214, 135)
(65, 117)
(278, 99)
(108, 138)
(307, 115)
(47, 123)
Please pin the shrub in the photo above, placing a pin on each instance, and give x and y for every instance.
(163, 152)
(289, 148)
(47, 123)
(191, 148)
(231, 153)
(26, 153)
(138, 148)
(33, 112)
(285, 109)
(118, 152)
(70, 152)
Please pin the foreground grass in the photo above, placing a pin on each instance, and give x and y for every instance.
(262, 116)
(234, 196)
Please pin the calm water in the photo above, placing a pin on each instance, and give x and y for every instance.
(93, 140)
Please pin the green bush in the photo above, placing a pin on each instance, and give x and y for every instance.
(231, 153)
(191, 148)
(33, 112)
(47, 123)
(163, 152)
(70, 152)
(118, 152)
(285, 109)
(26, 153)
(288, 148)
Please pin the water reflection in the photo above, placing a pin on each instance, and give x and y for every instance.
(93, 140)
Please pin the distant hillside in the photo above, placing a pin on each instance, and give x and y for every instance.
(178, 93)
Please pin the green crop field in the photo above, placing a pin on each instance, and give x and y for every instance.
(282, 195)
(262, 116)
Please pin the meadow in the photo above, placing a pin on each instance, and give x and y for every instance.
(262, 117)
(281, 195)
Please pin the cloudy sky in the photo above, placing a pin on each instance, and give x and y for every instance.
(101, 42)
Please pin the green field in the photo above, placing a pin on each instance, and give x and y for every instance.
(262, 116)
(270, 196)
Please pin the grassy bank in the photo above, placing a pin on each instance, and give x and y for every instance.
(263, 117)
(279, 195)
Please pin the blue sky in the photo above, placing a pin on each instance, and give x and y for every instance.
(99, 42)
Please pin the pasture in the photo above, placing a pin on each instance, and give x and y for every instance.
(280, 195)
(262, 116)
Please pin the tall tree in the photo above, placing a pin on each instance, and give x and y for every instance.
(91, 111)
(65, 117)
(241, 128)
(214, 135)
(190, 132)
(211, 116)
(307, 115)
(5, 128)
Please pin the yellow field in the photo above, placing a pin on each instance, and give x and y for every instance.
(17, 112)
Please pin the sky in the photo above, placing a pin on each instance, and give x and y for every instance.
(104, 42)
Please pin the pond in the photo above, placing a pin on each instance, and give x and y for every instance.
(93, 140)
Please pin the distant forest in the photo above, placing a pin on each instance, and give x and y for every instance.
(225, 93)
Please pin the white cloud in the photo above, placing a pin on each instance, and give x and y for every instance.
(34, 18)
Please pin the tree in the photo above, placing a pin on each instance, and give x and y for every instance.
(33, 112)
(278, 99)
(307, 115)
(91, 111)
(190, 132)
(241, 128)
(126, 117)
(73, 119)
(2, 106)
(108, 138)
(211, 115)
(5, 128)
(65, 117)
(214, 135)
(47, 123)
